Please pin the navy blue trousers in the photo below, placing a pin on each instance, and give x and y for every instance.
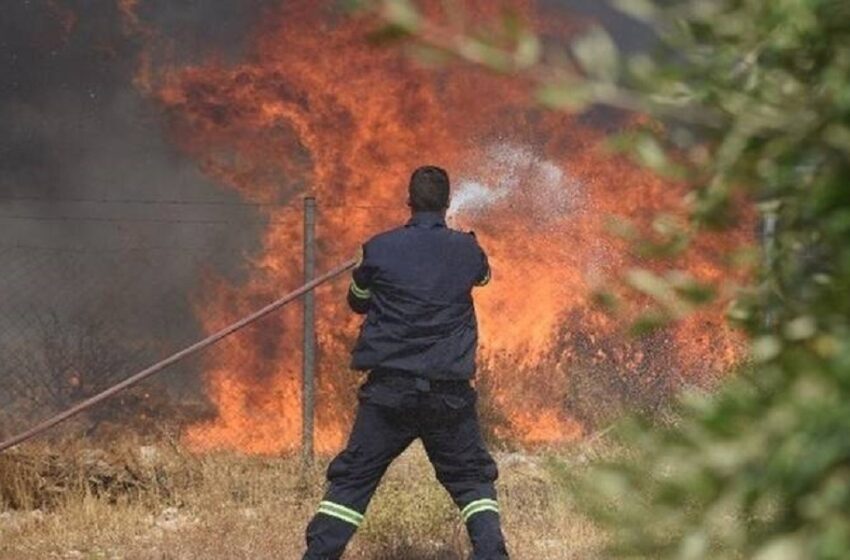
(393, 412)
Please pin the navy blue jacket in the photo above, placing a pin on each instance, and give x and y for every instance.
(415, 284)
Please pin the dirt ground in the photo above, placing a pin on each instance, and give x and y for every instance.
(158, 502)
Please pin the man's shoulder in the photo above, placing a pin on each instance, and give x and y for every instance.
(465, 237)
(400, 235)
(467, 234)
(385, 237)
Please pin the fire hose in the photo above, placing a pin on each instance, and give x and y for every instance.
(176, 357)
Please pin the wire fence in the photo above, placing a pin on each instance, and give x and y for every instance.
(104, 291)
(83, 308)
(75, 321)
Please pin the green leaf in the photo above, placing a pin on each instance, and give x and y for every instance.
(695, 292)
(765, 348)
(643, 10)
(648, 323)
(605, 301)
(484, 52)
(387, 34)
(528, 50)
(649, 283)
(782, 548)
(597, 54)
(650, 153)
(402, 13)
(838, 137)
(739, 312)
(571, 96)
(694, 546)
(801, 328)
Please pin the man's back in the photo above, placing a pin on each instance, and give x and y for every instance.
(418, 342)
(420, 316)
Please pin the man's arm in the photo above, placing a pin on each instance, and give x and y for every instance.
(359, 292)
(484, 273)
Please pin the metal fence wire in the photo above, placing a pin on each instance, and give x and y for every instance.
(75, 321)
(96, 290)
(79, 316)
(82, 312)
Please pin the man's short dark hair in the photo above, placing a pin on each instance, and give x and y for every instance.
(429, 189)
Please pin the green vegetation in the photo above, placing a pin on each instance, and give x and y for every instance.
(751, 100)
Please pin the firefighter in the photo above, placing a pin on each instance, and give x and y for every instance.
(418, 342)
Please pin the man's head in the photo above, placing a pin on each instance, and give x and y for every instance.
(429, 190)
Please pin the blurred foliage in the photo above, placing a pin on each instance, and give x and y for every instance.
(750, 103)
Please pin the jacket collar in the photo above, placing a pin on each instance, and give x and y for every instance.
(427, 220)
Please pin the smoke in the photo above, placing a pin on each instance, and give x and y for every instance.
(103, 219)
(76, 128)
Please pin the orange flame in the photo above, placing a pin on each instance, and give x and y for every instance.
(314, 109)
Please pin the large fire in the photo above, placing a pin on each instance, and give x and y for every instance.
(314, 109)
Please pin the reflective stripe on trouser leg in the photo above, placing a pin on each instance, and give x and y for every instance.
(478, 506)
(341, 512)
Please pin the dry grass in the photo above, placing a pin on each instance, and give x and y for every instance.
(157, 502)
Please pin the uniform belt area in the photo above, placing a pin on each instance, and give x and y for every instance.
(408, 381)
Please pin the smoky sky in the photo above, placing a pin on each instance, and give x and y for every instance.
(75, 128)
(89, 233)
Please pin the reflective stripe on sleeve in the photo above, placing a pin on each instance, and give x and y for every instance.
(359, 292)
(341, 512)
(478, 506)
